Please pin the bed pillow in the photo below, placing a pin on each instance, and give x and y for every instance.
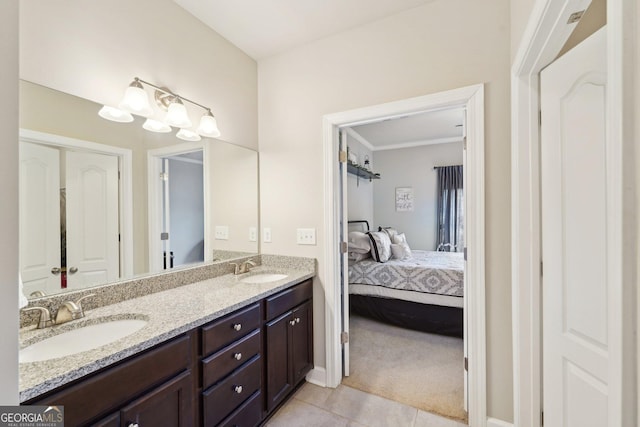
(359, 242)
(380, 245)
(400, 251)
(399, 238)
(355, 256)
(391, 232)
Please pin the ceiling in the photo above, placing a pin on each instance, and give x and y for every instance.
(263, 28)
(434, 127)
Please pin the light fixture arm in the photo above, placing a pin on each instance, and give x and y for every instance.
(168, 92)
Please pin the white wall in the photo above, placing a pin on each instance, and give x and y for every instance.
(412, 167)
(520, 11)
(359, 190)
(95, 49)
(9, 197)
(438, 46)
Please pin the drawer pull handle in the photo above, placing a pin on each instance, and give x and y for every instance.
(237, 356)
(238, 389)
(237, 326)
(292, 322)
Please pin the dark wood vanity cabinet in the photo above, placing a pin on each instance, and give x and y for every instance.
(288, 342)
(139, 390)
(233, 371)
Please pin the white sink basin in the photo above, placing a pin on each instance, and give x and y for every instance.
(263, 278)
(81, 339)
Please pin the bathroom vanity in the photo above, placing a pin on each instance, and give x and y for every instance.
(216, 352)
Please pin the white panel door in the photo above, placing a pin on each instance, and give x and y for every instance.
(577, 314)
(92, 219)
(39, 218)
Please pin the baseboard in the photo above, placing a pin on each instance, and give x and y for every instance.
(494, 422)
(317, 376)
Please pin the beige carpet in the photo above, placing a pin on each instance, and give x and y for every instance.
(415, 368)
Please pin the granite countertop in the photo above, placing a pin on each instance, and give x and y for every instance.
(168, 314)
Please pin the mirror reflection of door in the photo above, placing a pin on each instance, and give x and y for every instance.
(69, 229)
(183, 209)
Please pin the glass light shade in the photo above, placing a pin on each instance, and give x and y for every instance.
(177, 115)
(115, 114)
(208, 126)
(156, 126)
(188, 135)
(136, 100)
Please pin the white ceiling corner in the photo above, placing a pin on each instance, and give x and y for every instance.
(263, 28)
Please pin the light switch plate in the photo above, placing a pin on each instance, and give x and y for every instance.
(266, 235)
(222, 232)
(306, 236)
(253, 234)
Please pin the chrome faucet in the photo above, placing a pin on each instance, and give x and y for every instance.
(44, 321)
(244, 267)
(70, 310)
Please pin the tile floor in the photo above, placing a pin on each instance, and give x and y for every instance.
(314, 406)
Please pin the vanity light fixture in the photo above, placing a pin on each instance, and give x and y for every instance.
(136, 101)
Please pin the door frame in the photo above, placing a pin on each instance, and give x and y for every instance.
(125, 185)
(543, 38)
(154, 201)
(472, 98)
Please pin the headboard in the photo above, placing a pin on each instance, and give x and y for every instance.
(362, 223)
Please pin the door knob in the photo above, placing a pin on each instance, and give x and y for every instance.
(55, 271)
(73, 270)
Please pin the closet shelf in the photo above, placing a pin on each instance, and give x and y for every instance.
(354, 170)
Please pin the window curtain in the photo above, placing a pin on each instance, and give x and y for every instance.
(450, 209)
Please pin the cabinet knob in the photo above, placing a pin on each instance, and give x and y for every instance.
(292, 322)
(74, 270)
(55, 271)
(237, 356)
(238, 389)
(237, 326)
(297, 319)
(133, 425)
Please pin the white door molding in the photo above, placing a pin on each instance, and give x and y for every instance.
(125, 191)
(545, 34)
(472, 98)
(154, 201)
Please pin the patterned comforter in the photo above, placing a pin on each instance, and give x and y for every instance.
(429, 272)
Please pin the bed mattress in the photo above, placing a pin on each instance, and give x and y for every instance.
(440, 273)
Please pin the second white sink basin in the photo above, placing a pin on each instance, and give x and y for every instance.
(80, 339)
(263, 278)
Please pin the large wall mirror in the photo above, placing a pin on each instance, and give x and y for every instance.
(102, 201)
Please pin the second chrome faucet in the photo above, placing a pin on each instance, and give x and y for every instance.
(244, 267)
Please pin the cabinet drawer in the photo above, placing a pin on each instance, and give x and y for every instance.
(228, 329)
(247, 415)
(221, 399)
(286, 300)
(222, 363)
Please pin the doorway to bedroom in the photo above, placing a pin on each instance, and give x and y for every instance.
(389, 203)
(404, 201)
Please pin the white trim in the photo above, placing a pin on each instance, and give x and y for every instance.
(546, 33)
(410, 144)
(471, 97)
(317, 376)
(154, 208)
(125, 190)
(494, 422)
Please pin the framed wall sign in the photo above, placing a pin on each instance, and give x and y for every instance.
(404, 199)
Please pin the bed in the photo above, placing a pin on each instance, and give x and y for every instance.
(424, 291)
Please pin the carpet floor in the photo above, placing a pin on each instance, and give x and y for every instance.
(419, 369)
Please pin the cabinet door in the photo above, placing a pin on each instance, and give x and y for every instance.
(168, 405)
(302, 341)
(279, 381)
